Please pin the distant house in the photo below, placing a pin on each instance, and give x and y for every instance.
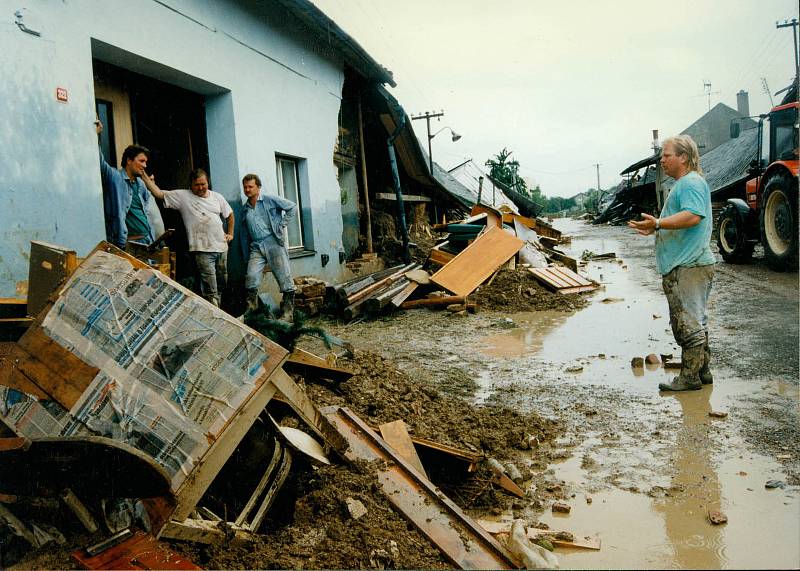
(713, 128)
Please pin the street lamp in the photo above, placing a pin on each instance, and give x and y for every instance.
(427, 116)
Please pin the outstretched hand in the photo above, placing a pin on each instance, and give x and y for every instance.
(644, 227)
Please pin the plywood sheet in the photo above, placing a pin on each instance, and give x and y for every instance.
(478, 261)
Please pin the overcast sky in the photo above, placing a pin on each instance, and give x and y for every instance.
(566, 84)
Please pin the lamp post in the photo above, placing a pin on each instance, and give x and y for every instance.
(427, 116)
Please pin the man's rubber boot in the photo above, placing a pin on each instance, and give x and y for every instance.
(705, 371)
(252, 299)
(287, 306)
(689, 379)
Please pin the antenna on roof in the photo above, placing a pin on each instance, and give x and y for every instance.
(709, 93)
(765, 89)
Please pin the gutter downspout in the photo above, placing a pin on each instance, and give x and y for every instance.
(396, 179)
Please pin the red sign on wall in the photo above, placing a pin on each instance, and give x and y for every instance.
(61, 94)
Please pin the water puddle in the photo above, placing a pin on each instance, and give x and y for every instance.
(664, 525)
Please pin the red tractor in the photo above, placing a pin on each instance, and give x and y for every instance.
(769, 214)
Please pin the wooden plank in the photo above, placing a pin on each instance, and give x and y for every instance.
(571, 263)
(396, 435)
(478, 261)
(140, 551)
(54, 369)
(299, 401)
(548, 279)
(578, 289)
(304, 362)
(440, 257)
(429, 301)
(494, 218)
(404, 295)
(406, 197)
(461, 540)
(568, 277)
(574, 276)
(207, 532)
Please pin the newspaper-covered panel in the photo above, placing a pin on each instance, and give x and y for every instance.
(136, 416)
(33, 418)
(185, 363)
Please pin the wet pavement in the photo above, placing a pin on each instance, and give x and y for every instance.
(658, 465)
(654, 465)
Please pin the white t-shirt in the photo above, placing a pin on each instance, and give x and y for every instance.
(202, 218)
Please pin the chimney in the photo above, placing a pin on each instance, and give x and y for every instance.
(655, 144)
(743, 103)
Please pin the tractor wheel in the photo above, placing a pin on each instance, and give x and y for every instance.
(732, 237)
(779, 222)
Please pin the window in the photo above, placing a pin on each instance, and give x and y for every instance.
(289, 188)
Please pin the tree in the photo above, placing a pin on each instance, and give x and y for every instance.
(506, 171)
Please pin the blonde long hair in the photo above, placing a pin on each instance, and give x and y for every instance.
(684, 145)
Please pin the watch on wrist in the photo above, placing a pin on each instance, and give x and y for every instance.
(658, 224)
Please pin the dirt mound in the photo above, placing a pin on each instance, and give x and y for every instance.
(323, 535)
(379, 392)
(518, 290)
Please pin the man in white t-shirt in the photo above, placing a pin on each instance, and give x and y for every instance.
(202, 211)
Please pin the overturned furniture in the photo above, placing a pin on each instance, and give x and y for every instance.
(120, 352)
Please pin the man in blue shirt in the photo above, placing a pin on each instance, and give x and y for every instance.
(264, 218)
(684, 259)
(125, 198)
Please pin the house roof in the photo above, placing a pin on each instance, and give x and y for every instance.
(468, 174)
(354, 55)
(724, 110)
(651, 160)
(729, 162)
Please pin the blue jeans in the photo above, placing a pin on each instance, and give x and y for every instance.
(269, 251)
(213, 269)
(687, 291)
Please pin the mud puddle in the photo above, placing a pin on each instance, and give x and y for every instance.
(653, 465)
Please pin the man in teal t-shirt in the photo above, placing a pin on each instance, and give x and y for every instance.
(684, 259)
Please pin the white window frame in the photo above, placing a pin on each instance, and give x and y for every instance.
(298, 220)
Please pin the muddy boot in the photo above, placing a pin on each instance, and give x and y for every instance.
(252, 299)
(287, 306)
(705, 371)
(689, 379)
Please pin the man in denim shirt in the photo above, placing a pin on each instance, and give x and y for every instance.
(684, 259)
(264, 218)
(125, 198)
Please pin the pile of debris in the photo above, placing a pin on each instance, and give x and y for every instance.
(471, 252)
(149, 414)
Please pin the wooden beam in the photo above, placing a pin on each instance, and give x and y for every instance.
(429, 301)
(396, 435)
(406, 197)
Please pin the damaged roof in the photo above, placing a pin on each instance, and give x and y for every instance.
(354, 55)
(729, 162)
(468, 174)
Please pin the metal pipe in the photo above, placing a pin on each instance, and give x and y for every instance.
(396, 179)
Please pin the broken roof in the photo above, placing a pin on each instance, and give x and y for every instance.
(468, 174)
(355, 56)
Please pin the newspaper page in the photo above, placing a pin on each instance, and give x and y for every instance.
(174, 368)
(29, 417)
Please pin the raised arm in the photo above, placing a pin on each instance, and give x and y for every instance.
(150, 183)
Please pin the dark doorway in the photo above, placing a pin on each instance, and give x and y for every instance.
(168, 120)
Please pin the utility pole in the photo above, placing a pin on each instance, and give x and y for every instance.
(428, 115)
(792, 24)
(597, 166)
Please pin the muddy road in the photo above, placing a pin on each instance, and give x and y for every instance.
(640, 469)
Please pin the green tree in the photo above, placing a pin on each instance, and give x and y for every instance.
(506, 171)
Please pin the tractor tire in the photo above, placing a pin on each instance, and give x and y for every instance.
(732, 238)
(779, 222)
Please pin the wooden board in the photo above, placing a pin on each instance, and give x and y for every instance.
(141, 551)
(478, 261)
(396, 435)
(305, 363)
(406, 197)
(440, 257)
(562, 280)
(49, 266)
(494, 217)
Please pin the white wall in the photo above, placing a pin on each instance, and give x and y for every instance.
(270, 87)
